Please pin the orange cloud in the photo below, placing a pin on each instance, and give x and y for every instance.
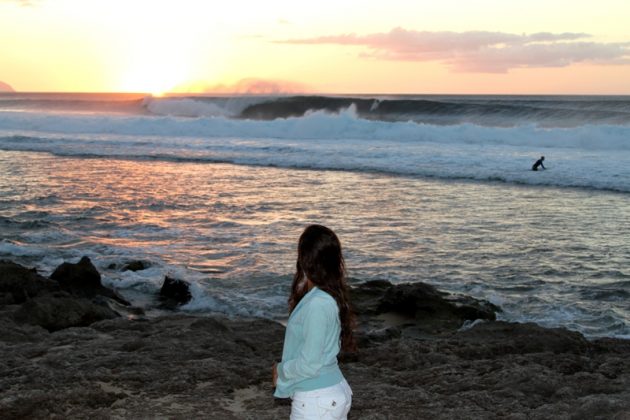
(481, 51)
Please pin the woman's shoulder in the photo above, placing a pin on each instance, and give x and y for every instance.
(323, 298)
(319, 305)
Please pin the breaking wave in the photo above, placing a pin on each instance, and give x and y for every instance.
(484, 110)
(591, 156)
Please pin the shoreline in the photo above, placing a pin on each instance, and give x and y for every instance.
(180, 365)
(544, 254)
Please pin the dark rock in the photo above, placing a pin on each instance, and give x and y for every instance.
(500, 338)
(135, 266)
(414, 299)
(210, 324)
(423, 300)
(471, 309)
(17, 283)
(430, 309)
(82, 279)
(378, 335)
(182, 366)
(367, 297)
(60, 310)
(179, 366)
(11, 332)
(174, 292)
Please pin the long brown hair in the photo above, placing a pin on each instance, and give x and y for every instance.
(320, 260)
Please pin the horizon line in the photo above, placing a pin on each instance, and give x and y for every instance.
(166, 94)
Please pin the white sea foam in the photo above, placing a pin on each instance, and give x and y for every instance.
(150, 279)
(587, 156)
(233, 302)
(186, 108)
(322, 126)
(13, 249)
(468, 324)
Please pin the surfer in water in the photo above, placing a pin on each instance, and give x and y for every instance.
(538, 163)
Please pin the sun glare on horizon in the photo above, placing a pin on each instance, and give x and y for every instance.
(154, 63)
(154, 77)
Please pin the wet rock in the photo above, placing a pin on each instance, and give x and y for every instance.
(428, 309)
(17, 283)
(83, 279)
(367, 297)
(174, 293)
(136, 266)
(123, 310)
(61, 310)
(80, 277)
(424, 301)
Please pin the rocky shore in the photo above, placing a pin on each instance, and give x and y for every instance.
(71, 348)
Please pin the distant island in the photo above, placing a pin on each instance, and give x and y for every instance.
(5, 87)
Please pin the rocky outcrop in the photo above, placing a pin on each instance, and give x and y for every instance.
(75, 298)
(188, 367)
(83, 279)
(181, 366)
(17, 283)
(523, 339)
(174, 293)
(61, 310)
(419, 305)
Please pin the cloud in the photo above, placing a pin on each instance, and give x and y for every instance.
(254, 86)
(248, 86)
(5, 87)
(481, 51)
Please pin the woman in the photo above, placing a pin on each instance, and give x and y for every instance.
(320, 324)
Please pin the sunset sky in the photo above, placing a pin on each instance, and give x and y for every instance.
(394, 46)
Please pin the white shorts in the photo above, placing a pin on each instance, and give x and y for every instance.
(331, 403)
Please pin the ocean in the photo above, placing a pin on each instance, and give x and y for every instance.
(215, 190)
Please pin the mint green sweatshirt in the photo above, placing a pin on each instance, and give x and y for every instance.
(311, 345)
